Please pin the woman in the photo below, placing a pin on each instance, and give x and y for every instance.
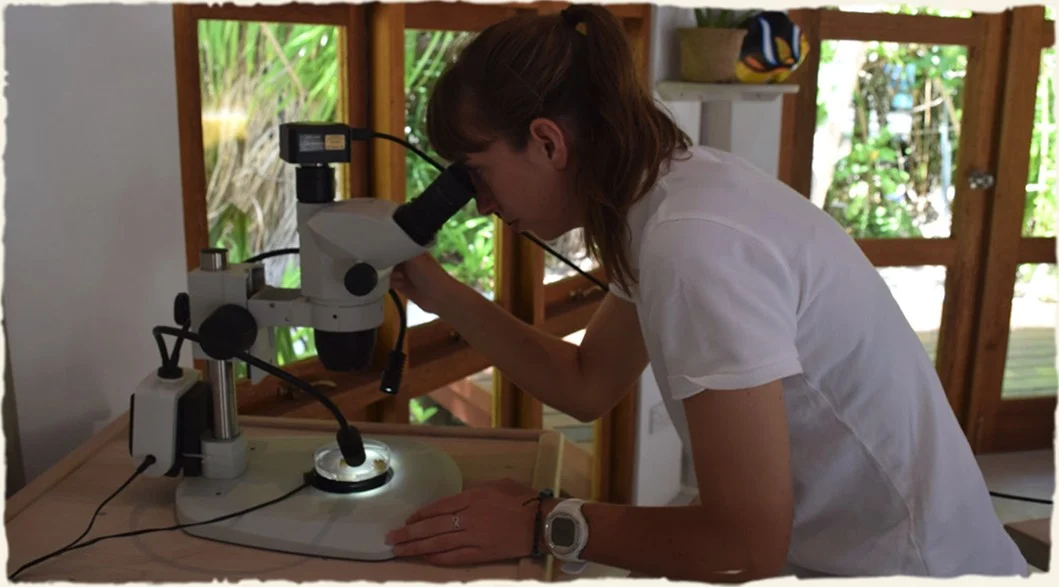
(822, 439)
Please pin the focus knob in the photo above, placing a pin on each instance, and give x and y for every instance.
(361, 279)
(228, 331)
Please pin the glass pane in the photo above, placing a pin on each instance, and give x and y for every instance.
(256, 76)
(466, 402)
(465, 246)
(1040, 185)
(1030, 367)
(920, 291)
(888, 129)
(572, 246)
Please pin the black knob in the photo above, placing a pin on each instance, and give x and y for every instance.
(229, 330)
(182, 310)
(361, 279)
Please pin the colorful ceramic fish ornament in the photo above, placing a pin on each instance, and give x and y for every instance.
(773, 48)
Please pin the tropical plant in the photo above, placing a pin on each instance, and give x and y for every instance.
(721, 18)
(419, 411)
(254, 77)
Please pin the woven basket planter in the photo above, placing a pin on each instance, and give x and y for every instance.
(709, 55)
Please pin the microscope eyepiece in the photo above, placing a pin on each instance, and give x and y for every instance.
(424, 216)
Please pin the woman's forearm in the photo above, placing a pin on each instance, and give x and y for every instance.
(546, 366)
(681, 544)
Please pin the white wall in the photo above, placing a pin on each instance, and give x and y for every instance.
(94, 244)
(657, 476)
(750, 130)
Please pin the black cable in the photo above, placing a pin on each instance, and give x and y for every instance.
(1020, 498)
(584, 274)
(268, 254)
(147, 462)
(167, 359)
(249, 510)
(403, 327)
(174, 358)
(268, 368)
(390, 382)
(74, 546)
(404, 144)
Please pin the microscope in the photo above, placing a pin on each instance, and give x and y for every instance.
(342, 495)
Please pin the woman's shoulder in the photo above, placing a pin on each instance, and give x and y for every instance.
(705, 169)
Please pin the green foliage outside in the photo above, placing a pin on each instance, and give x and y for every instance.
(883, 186)
(255, 76)
(464, 247)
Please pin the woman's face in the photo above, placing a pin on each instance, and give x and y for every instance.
(531, 190)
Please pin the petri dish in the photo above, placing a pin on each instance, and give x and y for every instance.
(330, 465)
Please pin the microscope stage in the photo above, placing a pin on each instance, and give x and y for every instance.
(315, 522)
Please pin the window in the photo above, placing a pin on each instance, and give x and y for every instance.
(242, 70)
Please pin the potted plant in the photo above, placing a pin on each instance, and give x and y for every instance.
(710, 50)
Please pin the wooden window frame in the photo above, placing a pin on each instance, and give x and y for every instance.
(436, 357)
(985, 245)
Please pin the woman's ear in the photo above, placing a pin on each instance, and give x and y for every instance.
(547, 138)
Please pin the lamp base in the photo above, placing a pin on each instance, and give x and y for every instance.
(315, 522)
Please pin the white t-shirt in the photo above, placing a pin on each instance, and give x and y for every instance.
(742, 281)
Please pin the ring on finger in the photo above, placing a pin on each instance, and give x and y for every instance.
(456, 523)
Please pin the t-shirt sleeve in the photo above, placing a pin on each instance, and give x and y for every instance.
(722, 305)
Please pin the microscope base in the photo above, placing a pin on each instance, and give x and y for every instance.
(313, 522)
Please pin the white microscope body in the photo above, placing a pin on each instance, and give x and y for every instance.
(190, 426)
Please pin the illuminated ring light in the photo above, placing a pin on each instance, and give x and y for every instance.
(332, 475)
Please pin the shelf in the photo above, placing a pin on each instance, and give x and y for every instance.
(680, 91)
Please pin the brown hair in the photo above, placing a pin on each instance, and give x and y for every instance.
(577, 69)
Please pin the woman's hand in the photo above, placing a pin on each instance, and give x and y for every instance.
(489, 523)
(422, 280)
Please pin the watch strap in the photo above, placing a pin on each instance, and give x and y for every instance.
(538, 523)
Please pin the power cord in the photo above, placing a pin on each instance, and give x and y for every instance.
(139, 470)
(147, 462)
(1020, 498)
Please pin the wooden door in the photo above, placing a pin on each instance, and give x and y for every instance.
(895, 114)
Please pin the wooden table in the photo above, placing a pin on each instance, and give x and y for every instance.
(56, 507)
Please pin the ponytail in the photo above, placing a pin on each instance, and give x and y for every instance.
(577, 68)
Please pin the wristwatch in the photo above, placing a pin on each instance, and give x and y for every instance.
(566, 534)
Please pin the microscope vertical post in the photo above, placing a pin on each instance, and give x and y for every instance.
(221, 374)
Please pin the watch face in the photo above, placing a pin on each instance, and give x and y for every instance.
(563, 531)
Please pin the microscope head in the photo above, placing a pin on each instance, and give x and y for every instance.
(349, 248)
